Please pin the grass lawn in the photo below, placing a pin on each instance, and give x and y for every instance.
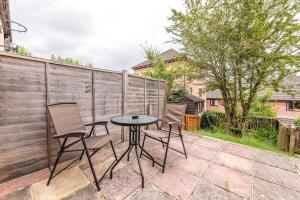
(245, 140)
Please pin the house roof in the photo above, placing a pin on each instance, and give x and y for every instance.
(290, 91)
(168, 56)
(193, 98)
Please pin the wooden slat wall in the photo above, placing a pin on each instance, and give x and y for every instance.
(152, 96)
(108, 99)
(135, 95)
(28, 84)
(23, 143)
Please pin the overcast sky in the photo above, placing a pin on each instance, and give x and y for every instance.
(107, 33)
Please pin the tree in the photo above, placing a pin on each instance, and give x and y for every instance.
(239, 47)
(65, 60)
(159, 68)
(23, 51)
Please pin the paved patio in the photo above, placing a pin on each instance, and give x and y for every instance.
(214, 170)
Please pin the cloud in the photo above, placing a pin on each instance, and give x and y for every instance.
(106, 33)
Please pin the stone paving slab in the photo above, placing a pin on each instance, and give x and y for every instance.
(125, 181)
(276, 160)
(239, 150)
(201, 152)
(61, 186)
(209, 143)
(176, 183)
(209, 191)
(263, 190)
(146, 164)
(149, 192)
(229, 179)
(235, 162)
(192, 165)
(86, 193)
(23, 194)
(277, 176)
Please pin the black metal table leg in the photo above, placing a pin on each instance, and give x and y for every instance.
(134, 141)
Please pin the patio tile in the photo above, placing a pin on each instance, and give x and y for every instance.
(148, 170)
(229, 179)
(159, 153)
(61, 186)
(208, 191)
(276, 160)
(201, 152)
(149, 192)
(124, 182)
(22, 182)
(23, 194)
(209, 143)
(86, 193)
(239, 150)
(235, 162)
(193, 165)
(277, 175)
(176, 183)
(101, 168)
(263, 190)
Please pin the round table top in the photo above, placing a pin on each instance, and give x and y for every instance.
(126, 120)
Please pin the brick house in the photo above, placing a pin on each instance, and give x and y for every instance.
(285, 102)
(171, 59)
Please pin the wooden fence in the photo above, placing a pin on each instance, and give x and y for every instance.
(192, 122)
(288, 136)
(28, 84)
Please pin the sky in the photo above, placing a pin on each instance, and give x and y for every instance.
(107, 33)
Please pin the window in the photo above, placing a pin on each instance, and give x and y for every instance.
(214, 102)
(293, 105)
(200, 92)
(200, 107)
(190, 90)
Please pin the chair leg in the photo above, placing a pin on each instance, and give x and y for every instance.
(61, 151)
(166, 154)
(143, 145)
(113, 149)
(81, 155)
(129, 153)
(90, 163)
(183, 145)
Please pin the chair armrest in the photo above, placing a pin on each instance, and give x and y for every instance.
(97, 123)
(71, 134)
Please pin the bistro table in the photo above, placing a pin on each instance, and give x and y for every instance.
(134, 122)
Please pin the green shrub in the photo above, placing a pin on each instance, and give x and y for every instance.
(265, 135)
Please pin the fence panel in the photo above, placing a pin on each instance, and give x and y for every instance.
(108, 99)
(23, 124)
(136, 95)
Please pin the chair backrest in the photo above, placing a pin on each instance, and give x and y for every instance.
(173, 113)
(65, 118)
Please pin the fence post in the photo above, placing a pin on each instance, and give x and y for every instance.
(93, 98)
(292, 140)
(47, 115)
(145, 96)
(158, 110)
(124, 100)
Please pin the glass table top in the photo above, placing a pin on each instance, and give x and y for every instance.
(126, 120)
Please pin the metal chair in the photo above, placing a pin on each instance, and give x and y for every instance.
(172, 118)
(72, 136)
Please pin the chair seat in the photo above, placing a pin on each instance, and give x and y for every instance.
(156, 133)
(92, 142)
